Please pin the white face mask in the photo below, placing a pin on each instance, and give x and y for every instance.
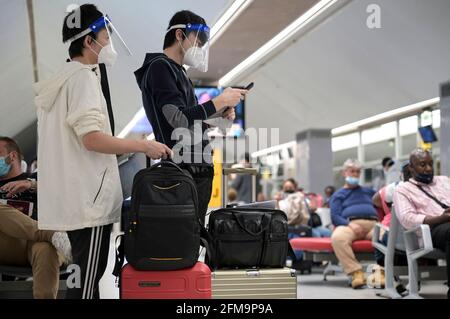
(196, 57)
(107, 54)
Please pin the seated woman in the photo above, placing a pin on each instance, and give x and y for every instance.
(299, 210)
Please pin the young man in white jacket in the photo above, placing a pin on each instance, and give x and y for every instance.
(79, 185)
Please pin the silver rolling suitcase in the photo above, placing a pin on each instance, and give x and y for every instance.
(279, 283)
(254, 284)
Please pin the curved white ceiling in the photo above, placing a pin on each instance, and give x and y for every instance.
(342, 71)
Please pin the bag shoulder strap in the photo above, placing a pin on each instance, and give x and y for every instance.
(444, 206)
(107, 95)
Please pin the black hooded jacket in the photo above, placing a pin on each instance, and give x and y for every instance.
(170, 103)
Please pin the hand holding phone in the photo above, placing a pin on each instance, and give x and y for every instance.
(250, 86)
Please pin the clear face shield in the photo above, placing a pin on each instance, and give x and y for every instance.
(115, 45)
(197, 56)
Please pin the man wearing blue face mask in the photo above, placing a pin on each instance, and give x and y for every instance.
(21, 242)
(354, 216)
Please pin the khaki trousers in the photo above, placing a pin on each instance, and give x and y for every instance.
(22, 244)
(342, 239)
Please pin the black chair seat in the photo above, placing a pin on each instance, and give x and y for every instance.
(22, 272)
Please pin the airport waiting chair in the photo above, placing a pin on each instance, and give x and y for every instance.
(419, 244)
(395, 243)
(20, 284)
(321, 249)
(416, 243)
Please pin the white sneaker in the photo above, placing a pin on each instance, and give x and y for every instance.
(62, 244)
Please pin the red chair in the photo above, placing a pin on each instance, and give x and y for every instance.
(320, 249)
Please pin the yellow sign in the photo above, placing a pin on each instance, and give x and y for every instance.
(426, 146)
(216, 194)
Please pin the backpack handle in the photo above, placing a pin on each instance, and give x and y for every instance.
(166, 163)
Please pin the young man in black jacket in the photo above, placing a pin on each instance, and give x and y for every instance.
(171, 105)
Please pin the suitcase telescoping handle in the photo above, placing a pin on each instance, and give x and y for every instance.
(238, 171)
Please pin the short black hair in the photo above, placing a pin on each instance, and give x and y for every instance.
(406, 172)
(387, 161)
(87, 13)
(181, 17)
(11, 145)
(331, 188)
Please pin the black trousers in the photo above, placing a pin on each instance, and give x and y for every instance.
(203, 177)
(90, 248)
(440, 236)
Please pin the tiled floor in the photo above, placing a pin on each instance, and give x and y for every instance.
(336, 287)
(309, 286)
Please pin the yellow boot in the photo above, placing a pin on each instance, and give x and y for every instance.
(358, 280)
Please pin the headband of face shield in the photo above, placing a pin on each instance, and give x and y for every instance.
(197, 56)
(116, 45)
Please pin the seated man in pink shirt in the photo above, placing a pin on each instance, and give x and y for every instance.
(425, 199)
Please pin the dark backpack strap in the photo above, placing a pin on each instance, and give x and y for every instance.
(120, 254)
(206, 241)
(107, 95)
(291, 252)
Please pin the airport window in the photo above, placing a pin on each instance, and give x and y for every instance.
(345, 142)
(340, 157)
(376, 151)
(436, 118)
(409, 125)
(381, 133)
(409, 142)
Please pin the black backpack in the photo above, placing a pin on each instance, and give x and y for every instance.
(162, 229)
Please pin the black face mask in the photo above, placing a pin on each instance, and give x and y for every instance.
(289, 191)
(424, 178)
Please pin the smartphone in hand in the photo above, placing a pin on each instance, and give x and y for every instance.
(250, 86)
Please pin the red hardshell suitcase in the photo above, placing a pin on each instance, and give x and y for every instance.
(191, 283)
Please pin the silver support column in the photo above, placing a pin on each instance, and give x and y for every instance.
(445, 129)
(314, 160)
(398, 141)
(361, 155)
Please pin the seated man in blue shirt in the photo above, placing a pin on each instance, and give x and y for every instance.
(354, 216)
